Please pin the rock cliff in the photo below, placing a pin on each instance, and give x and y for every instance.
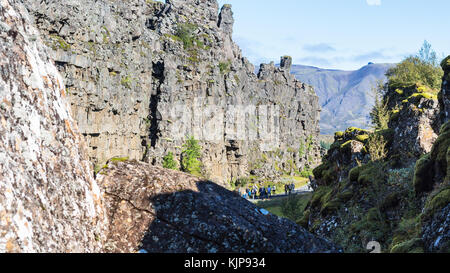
(444, 96)
(49, 201)
(171, 212)
(143, 75)
(389, 186)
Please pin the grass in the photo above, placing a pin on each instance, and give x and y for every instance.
(298, 180)
(291, 208)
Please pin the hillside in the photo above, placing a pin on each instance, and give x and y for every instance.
(345, 96)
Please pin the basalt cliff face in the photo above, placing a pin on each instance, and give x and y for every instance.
(49, 201)
(143, 75)
(400, 200)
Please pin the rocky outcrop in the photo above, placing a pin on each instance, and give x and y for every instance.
(49, 201)
(444, 96)
(143, 75)
(394, 189)
(171, 212)
(415, 123)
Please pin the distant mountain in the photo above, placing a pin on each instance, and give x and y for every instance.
(345, 96)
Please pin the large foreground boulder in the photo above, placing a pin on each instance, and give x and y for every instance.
(49, 201)
(166, 211)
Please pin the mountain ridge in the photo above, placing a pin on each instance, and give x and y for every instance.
(340, 90)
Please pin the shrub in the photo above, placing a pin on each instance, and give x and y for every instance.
(169, 162)
(380, 113)
(185, 33)
(191, 154)
(224, 67)
(412, 71)
(377, 147)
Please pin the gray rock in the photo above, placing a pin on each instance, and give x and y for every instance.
(127, 69)
(171, 212)
(49, 201)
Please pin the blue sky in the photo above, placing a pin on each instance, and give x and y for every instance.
(339, 34)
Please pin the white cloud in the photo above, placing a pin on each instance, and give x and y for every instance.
(373, 2)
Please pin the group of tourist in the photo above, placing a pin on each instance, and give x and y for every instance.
(256, 192)
(289, 188)
(259, 193)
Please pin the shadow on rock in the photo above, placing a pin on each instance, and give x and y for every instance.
(164, 211)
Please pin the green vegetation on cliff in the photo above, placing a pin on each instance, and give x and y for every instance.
(369, 189)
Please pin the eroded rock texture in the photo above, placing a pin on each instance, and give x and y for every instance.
(170, 212)
(129, 64)
(49, 201)
(444, 96)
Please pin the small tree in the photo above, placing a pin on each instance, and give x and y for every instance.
(377, 147)
(190, 157)
(380, 113)
(428, 55)
(169, 162)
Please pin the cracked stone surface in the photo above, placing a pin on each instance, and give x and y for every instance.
(125, 70)
(165, 211)
(49, 201)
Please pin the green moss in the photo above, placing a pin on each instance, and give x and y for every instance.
(118, 159)
(304, 221)
(440, 152)
(399, 91)
(371, 173)
(331, 207)
(224, 67)
(345, 196)
(438, 202)
(354, 173)
(391, 201)
(321, 196)
(425, 95)
(60, 42)
(346, 144)
(446, 63)
(99, 168)
(362, 138)
(412, 246)
(126, 82)
(423, 174)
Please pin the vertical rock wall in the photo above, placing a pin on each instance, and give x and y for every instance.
(49, 201)
(129, 65)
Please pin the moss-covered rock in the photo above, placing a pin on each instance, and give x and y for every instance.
(330, 207)
(326, 173)
(440, 152)
(345, 195)
(446, 63)
(304, 221)
(321, 196)
(423, 174)
(391, 201)
(353, 175)
(371, 173)
(412, 246)
(437, 202)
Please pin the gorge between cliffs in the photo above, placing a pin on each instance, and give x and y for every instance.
(137, 125)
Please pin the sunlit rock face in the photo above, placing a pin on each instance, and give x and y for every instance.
(128, 65)
(49, 201)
